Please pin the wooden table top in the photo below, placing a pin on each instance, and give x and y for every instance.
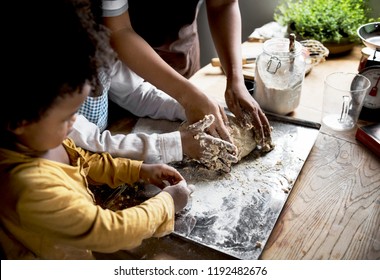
(333, 210)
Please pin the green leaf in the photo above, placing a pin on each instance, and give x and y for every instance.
(324, 20)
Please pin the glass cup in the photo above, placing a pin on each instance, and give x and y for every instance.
(343, 98)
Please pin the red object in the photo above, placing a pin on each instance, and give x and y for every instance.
(373, 91)
(369, 135)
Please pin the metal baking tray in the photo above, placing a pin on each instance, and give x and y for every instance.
(234, 213)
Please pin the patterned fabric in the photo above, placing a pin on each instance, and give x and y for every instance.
(95, 109)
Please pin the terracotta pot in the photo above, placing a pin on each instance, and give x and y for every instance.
(339, 48)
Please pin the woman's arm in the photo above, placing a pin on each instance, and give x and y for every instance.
(142, 59)
(225, 25)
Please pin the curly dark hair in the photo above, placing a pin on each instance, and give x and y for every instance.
(54, 49)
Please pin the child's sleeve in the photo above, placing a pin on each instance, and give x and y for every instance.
(102, 168)
(151, 148)
(105, 169)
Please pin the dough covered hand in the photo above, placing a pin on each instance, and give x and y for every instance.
(195, 111)
(214, 153)
(180, 193)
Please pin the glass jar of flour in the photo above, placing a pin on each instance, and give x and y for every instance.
(279, 74)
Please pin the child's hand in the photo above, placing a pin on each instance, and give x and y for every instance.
(213, 152)
(160, 175)
(180, 194)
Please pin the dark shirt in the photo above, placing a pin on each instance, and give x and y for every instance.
(170, 27)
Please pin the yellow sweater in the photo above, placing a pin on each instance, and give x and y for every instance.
(48, 212)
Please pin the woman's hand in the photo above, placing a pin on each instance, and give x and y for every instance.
(248, 111)
(197, 107)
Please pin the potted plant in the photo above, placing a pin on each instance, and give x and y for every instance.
(334, 23)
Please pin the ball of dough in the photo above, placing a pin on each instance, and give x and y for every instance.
(243, 138)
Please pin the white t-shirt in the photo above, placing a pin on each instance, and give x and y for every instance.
(113, 8)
